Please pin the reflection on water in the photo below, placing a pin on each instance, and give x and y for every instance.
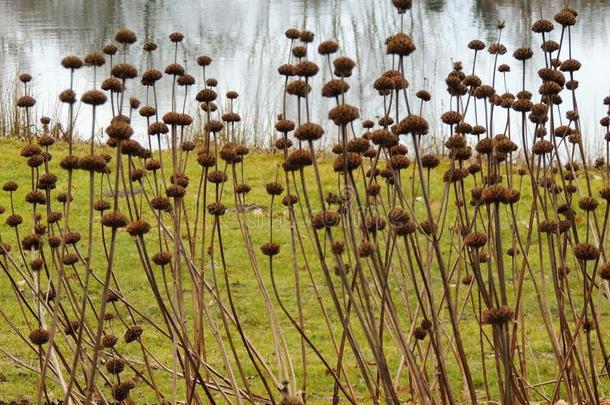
(245, 38)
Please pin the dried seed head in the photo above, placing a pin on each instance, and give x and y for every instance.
(119, 130)
(586, 251)
(399, 44)
(523, 54)
(335, 88)
(366, 249)
(383, 137)
(328, 47)
(292, 33)
(565, 17)
(149, 46)
(343, 66)
(115, 365)
(325, 219)
(476, 45)
(298, 88)
(125, 36)
(114, 220)
(270, 249)
(542, 26)
(138, 228)
(497, 316)
(133, 333)
(604, 271)
(162, 258)
(475, 240)
(72, 62)
(285, 126)
(110, 49)
(412, 124)
(176, 37)
(39, 337)
(124, 71)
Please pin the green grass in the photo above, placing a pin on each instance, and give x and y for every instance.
(260, 168)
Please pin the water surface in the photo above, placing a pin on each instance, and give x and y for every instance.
(246, 40)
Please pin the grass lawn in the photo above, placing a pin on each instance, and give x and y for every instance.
(260, 168)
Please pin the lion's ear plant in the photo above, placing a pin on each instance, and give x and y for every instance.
(387, 267)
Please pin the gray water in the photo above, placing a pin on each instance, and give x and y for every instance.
(245, 39)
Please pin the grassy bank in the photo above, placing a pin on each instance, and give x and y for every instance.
(259, 169)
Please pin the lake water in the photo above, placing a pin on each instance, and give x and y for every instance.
(245, 39)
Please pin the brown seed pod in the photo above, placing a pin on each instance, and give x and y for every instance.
(383, 137)
(150, 77)
(162, 258)
(133, 333)
(497, 316)
(328, 47)
(125, 36)
(358, 145)
(114, 220)
(588, 204)
(26, 101)
(71, 238)
(93, 97)
(348, 162)
(101, 205)
(412, 124)
(72, 62)
(475, 240)
(306, 69)
(299, 52)
(217, 177)
(286, 70)
(586, 251)
(67, 96)
(373, 224)
(309, 132)
(95, 58)
(138, 228)
(39, 337)
(298, 159)
(124, 71)
(110, 49)
(25, 77)
(565, 18)
(274, 188)
(604, 271)
(419, 333)
(399, 44)
(496, 49)
(206, 159)
(112, 84)
(343, 66)
(476, 45)
(325, 219)
(292, 33)
(115, 365)
(109, 341)
(343, 114)
(149, 46)
(366, 249)
(290, 200)
(402, 5)
(31, 242)
(523, 54)
(298, 88)
(335, 88)
(430, 161)
(542, 26)
(270, 249)
(119, 131)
